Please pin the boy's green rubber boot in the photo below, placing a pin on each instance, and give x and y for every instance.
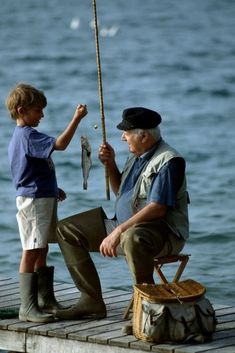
(46, 297)
(29, 310)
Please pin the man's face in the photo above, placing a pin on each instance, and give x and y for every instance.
(134, 141)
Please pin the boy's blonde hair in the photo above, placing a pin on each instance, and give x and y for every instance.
(24, 95)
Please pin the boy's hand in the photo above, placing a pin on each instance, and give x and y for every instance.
(80, 111)
(62, 195)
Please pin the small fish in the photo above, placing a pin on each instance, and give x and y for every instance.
(86, 160)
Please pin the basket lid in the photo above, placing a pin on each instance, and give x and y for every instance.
(171, 292)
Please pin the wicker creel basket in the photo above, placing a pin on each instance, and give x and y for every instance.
(164, 293)
(172, 295)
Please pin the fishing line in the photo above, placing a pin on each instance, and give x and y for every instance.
(100, 88)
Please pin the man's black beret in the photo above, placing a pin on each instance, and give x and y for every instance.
(139, 118)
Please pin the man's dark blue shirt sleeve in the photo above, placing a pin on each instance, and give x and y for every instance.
(167, 182)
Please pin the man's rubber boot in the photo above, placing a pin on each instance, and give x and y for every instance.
(90, 303)
(46, 297)
(29, 310)
(86, 279)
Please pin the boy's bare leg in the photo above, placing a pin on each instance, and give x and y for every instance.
(28, 260)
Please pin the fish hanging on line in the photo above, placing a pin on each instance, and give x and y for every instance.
(86, 160)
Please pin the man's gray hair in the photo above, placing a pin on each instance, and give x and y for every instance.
(154, 132)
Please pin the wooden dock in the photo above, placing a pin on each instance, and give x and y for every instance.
(87, 336)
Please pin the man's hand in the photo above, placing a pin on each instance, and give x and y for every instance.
(109, 245)
(106, 153)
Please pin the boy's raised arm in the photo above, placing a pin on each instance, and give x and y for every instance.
(64, 139)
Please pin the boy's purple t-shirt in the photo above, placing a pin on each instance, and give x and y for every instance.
(32, 168)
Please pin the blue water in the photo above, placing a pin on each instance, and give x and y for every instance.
(177, 57)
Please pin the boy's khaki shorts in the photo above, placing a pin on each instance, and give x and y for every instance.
(37, 221)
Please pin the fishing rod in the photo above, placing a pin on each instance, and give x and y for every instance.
(100, 88)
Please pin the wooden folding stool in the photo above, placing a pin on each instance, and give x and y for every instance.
(158, 264)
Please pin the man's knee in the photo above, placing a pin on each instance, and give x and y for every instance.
(127, 243)
(85, 229)
(67, 232)
(133, 240)
(60, 230)
(143, 238)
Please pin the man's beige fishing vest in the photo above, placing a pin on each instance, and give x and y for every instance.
(177, 217)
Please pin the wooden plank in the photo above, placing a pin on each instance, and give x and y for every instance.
(64, 327)
(164, 348)
(59, 285)
(123, 341)
(116, 305)
(67, 294)
(14, 341)
(105, 337)
(142, 345)
(207, 347)
(6, 281)
(225, 326)
(95, 328)
(225, 311)
(225, 318)
(218, 307)
(120, 298)
(59, 329)
(43, 344)
(10, 300)
(224, 333)
(21, 326)
(113, 295)
(116, 293)
(63, 295)
(6, 322)
(10, 289)
(222, 350)
(74, 295)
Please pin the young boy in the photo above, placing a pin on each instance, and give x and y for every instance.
(37, 193)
